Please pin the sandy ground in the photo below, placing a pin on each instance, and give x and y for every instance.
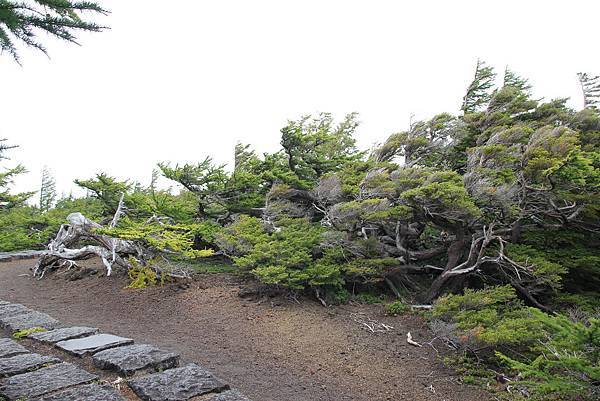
(273, 349)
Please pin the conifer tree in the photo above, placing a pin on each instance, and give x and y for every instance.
(590, 86)
(47, 190)
(8, 200)
(24, 20)
(515, 81)
(479, 91)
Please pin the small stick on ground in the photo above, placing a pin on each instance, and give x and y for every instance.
(410, 340)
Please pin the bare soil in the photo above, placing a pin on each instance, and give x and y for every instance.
(272, 349)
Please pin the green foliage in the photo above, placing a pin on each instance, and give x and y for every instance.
(30, 228)
(142, 276)
(551, 354)
(25, 20)
(397, 308)
(437, 195)
(576, 252)
(478, 92)
(315, 147)
(20, 334)
(238, 238)
(8, 200)
(47, 191)
(547, 273)
(107, 189)
(285, 257)
(175, 239)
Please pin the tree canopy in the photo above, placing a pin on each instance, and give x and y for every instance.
(23, 20)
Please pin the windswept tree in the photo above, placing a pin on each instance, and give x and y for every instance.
(47, 190)
(511, 79)
(315, 146)
(590, 87)
(479, 91)
(7, 176)
(107, 189)
(24, 20)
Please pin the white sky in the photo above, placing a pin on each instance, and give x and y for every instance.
(181, 82)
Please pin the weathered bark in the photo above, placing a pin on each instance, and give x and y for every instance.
(112, 251)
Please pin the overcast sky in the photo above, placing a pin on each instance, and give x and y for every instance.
(187, 79)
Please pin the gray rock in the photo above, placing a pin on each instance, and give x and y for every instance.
(10, 348)
(9, 310)
(44, 381)
(28, 321)
(24, 363)
(92, 344)
(67, 333)
(178, 384)
(131, 358)
(232, 395)
(89, 392)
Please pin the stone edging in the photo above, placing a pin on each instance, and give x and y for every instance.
(151, 373)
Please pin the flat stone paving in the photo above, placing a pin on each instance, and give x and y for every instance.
(28, 321)
(43, 381)
(88, 392)
(8, 310)
(67, 333)
(179, 384)
(27, 376)
(132, 358)
(10, 348)
(93, 344)
(23, 363)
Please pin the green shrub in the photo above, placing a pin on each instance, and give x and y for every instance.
(289, 257)
(29, 227)
(551, 354)
(397, 308)
(141, 276)
(238, 238)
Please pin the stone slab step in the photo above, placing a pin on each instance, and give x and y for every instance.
(88, 392)
(179, 384)
(132, 358)
(92, 344)
(28, 321)
(24, 363)
(44, 381)
(58, 335)
(10, 348)
(8, 310)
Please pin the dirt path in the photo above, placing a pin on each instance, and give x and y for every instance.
(274, 350)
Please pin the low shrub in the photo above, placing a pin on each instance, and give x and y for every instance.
(397, 308)
(555, 357)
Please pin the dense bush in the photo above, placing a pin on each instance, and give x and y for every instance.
(28, 227)
(554, 356)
